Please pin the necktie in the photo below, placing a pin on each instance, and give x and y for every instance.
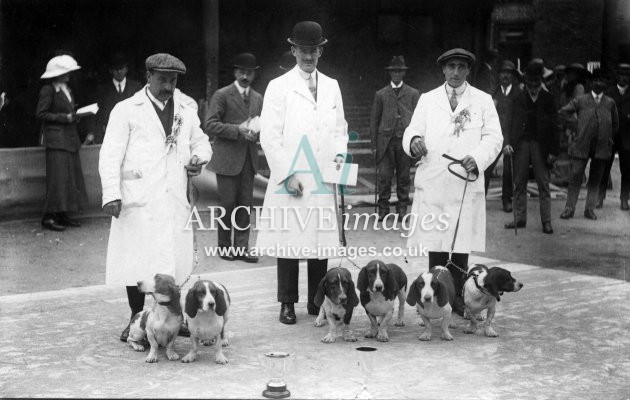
(453, 100)
(597, 99)
(396, 91)
(312, 87)
(246, 98)
(119, 89)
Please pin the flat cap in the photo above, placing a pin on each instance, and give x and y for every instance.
(165, 62)
(456, 53)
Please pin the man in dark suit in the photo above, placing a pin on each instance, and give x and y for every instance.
(233, 122)
(111, 92)
(621, 95)
(533, 139)
(504, 97)
(391, 113)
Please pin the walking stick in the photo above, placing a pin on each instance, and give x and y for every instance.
(513, 193)
(342, 238)
(375, 183)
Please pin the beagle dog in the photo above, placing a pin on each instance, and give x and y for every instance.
(336, 299)
(434, 292)
(482, 289)
(206, 313)
(161, 324)
(379, 284)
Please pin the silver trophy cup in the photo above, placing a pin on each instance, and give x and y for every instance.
(276, 364)
(366, 365)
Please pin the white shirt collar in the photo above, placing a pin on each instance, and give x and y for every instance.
(122, 83)
(394, 86)
(306, 75)
(64, 88)
(241, 89)
(459, 91)
(596, 96)
(622, 90)
(506, 91)
(160, 104)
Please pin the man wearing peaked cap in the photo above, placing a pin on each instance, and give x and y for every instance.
(302, 124)
(152, 145)
(233, 123)
(391, 113)
(461, 121)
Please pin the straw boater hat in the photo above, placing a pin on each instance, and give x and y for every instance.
(165, 63)
(307, 34)
(456, 53)
(398, 62)
(60, 65)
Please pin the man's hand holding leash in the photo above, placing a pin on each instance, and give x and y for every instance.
(418, 148)
(113, 208)
(194, 166)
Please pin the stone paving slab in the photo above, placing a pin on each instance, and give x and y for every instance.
(564, 336)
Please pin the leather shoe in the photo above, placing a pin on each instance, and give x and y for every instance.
(547, 228)
(51, 224)
(590, 214)
(287, 314)
(624, 205)
(567, 213)
(246, 257)
(382, 214)
(507, 207)
(519, 224)
(65, 221)
(183, 331)
(225, 253)
(125, 334)
(312, 309)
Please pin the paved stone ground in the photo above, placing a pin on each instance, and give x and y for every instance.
(564, 336)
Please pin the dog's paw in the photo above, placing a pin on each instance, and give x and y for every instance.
(208, 342)
(490, 332)
(172, 356)
(382, 337)
(425, 336)
(220, 359)
(421, 323)
(188, 358)
(330, 338)
(349, 337)
(319, 322)
(452, 324)
(480, 317)
(447, 336)
(400, 322)
(370, 334)
(225, 342)
(470, 329)
(151, 358)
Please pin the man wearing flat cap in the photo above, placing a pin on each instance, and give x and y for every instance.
(460, 121)
(303, 130)
(621, 95)
(153, 144)
(391, 113)
(233, 123)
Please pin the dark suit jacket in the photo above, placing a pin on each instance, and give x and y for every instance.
(52, 109)
(385, 111)
(226, 112)
(622, 138)
(107, 97)
(547, 134)
(485, 79)
(505, 109)
(593, 120)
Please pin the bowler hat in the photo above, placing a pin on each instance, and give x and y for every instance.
(165, 62)
(118, 60)
(60, 65)
(534, 70)
(307, 34)
(599, 74)
(508, 65)
(456, 53)
(287, 61)
(245, 61)
(560, 68)
(398, 62)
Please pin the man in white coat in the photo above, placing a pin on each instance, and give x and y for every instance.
(461, 121)
(153, 143)
(302, 130)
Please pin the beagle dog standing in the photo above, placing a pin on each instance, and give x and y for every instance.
(161, 324)
(379, 284)
(206, 312)
(482, 289)
(434, 292)
(336, 299)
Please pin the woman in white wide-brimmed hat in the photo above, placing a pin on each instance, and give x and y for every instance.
(65, 188)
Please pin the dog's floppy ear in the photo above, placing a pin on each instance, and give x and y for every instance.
(220, 304)
(192, 303)
(321, 292)
(391, 285)
(442, 294)
(353, 300)
(491, 283)
(362, 280)
(411, 296)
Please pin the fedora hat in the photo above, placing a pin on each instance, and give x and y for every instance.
(307, 34)
(398, 62)
(118, 60)
(508, 65)
(245, 61)
(456, 53)
(60, 65)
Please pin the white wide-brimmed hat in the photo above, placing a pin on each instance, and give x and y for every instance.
(60, 65)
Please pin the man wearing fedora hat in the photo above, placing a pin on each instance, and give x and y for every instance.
(504, 96)
(230, 122)
(115, 90)
(460, 121)
(391, 113)
(152, 145)
(532, 139)
(596, 120)
(621, 95)
(303, 129)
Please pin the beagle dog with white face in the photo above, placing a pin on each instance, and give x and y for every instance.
(482, 290)
(336, 299)
(206, 311)
(434, 292)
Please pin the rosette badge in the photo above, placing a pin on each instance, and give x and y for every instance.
(460, 121)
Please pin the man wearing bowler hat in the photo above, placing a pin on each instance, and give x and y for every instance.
(391, 113)
(233, 121)
(303, 130)
(460, 121)
(533, 138)
(152, 145)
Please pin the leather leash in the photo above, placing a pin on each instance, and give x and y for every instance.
(513, 190)
(192, 195)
